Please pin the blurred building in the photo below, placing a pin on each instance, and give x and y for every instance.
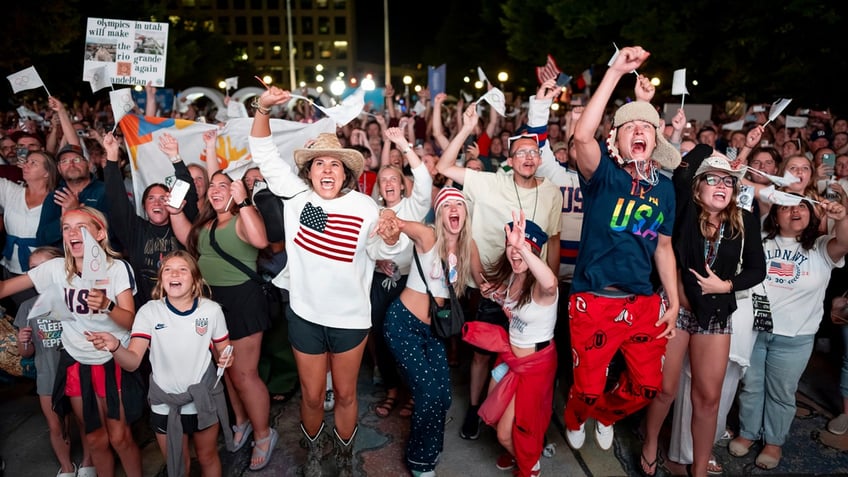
(323, 34)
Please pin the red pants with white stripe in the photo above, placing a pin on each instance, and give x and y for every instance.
(600, 326)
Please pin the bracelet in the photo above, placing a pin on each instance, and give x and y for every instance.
(407, 150)
(116, 348)
(176, 159)
(259, 108)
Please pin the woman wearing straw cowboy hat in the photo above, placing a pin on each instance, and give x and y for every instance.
(337, 234)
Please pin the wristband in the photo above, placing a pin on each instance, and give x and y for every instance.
(116, 348)
(176, 159)
(259, 108)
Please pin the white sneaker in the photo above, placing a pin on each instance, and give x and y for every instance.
(329, 401)
(604, 435)
(576, 438)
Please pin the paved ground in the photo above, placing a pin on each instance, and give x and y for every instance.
(379, 447)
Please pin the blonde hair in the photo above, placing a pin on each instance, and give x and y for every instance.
(98, 220)
(199, 287)
(463, 250)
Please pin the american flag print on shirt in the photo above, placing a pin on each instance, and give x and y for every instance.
(781, 269)
(332, 236)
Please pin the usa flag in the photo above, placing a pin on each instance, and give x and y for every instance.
(550, 70)
(781, 269)
(332, 236)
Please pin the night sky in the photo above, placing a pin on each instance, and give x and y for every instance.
(406, 22)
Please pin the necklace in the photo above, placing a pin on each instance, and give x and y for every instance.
(536, 203)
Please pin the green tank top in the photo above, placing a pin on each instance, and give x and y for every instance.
(215, 269)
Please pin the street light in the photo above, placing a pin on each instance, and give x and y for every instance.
(337, 87)
(268, 79)
(466, 79)
(319, 78)
(222, 84)
(319, 67)
(368, 83)
(407, 80)
(478, 84)
(655, 81)
(503, 76)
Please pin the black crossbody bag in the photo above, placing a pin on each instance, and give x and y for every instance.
(446, 320)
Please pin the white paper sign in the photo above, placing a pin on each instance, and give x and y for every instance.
(133, 52)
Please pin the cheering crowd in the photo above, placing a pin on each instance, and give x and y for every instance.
(702, 258)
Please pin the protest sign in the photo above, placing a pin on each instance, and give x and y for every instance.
(133, 52)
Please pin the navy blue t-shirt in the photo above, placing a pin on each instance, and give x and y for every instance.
(622, 220)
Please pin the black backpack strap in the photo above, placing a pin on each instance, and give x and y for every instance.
(229, 258)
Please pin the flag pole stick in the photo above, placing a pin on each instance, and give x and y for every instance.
(48, 92)
(682, 99)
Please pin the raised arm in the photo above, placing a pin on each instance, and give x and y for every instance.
(150, 105)
(68, 131)
(546, 286)
(250, 227)
(210, 139)
(122, 217)
(588, 151)
(837, 247)
(447, 162)
(423, 236)
(438, 130)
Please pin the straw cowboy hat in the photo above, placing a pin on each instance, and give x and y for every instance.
(328, 145)
(664, 153)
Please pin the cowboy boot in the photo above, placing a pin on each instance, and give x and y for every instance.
(344, 454)
(315, 452)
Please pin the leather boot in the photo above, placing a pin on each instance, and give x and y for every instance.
(344, 454)
(315, 452)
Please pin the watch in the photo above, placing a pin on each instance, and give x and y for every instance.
(244, 203)
(110, 307)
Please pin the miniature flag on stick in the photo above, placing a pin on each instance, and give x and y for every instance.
(26, 79)
(482, 76)
(734, 126)
(93, 259)
(122, 103)
(776, 108)
(777, 197)
(678, 85)
(345, 112)
(495, 98)
(784, 181)
(99, 79)
(232, 83)
(550, 70)
(614, 56)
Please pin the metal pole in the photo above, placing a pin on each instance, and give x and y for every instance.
(291, 46)
(386, 40)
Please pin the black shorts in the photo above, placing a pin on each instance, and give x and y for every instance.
(245, 308)
(312, 338)
(159, 423)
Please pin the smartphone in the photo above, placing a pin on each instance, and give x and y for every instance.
(178, 193)
(829, 159)
(21, 152)
(563, 80)
(82, 133)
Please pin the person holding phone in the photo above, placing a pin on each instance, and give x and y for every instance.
(146, 241)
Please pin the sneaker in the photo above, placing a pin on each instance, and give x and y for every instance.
(838, 425)
(505, 461)
(536, 471)
(576, 438)
(604, 435)
(471, 426)
(329, 401)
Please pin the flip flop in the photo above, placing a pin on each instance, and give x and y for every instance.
(649, 464)
(406, 410)
(385, 407)
(246, 428)
(265, 455)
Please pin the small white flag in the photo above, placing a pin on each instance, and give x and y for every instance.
(777, 107)
(419, 108)
(784, 181)
(734, 126)
(232, 83)
(614, 55)
(25, 79)
(27, 113)
(678, 84)
(236, 109)
(122, 103)
(93, 260)
(99, 79)
(495, 98)
(466, 96)
(772, 196)
(796, 121)
(348, 110)
(482, 76)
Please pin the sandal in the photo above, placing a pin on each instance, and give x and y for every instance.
(246, 428)
(713, 466)
(265, 455)
(767, 459)
(739, 447)
(651, 466)
(385, 408)
(406, 410)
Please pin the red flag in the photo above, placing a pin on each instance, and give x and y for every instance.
(550, 70)
(585, 79)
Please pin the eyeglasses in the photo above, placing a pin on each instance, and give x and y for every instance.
(509, 141)
(713, 180)
(533, 153)
(71, 160)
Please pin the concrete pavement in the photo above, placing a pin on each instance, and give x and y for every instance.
(811, 450)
